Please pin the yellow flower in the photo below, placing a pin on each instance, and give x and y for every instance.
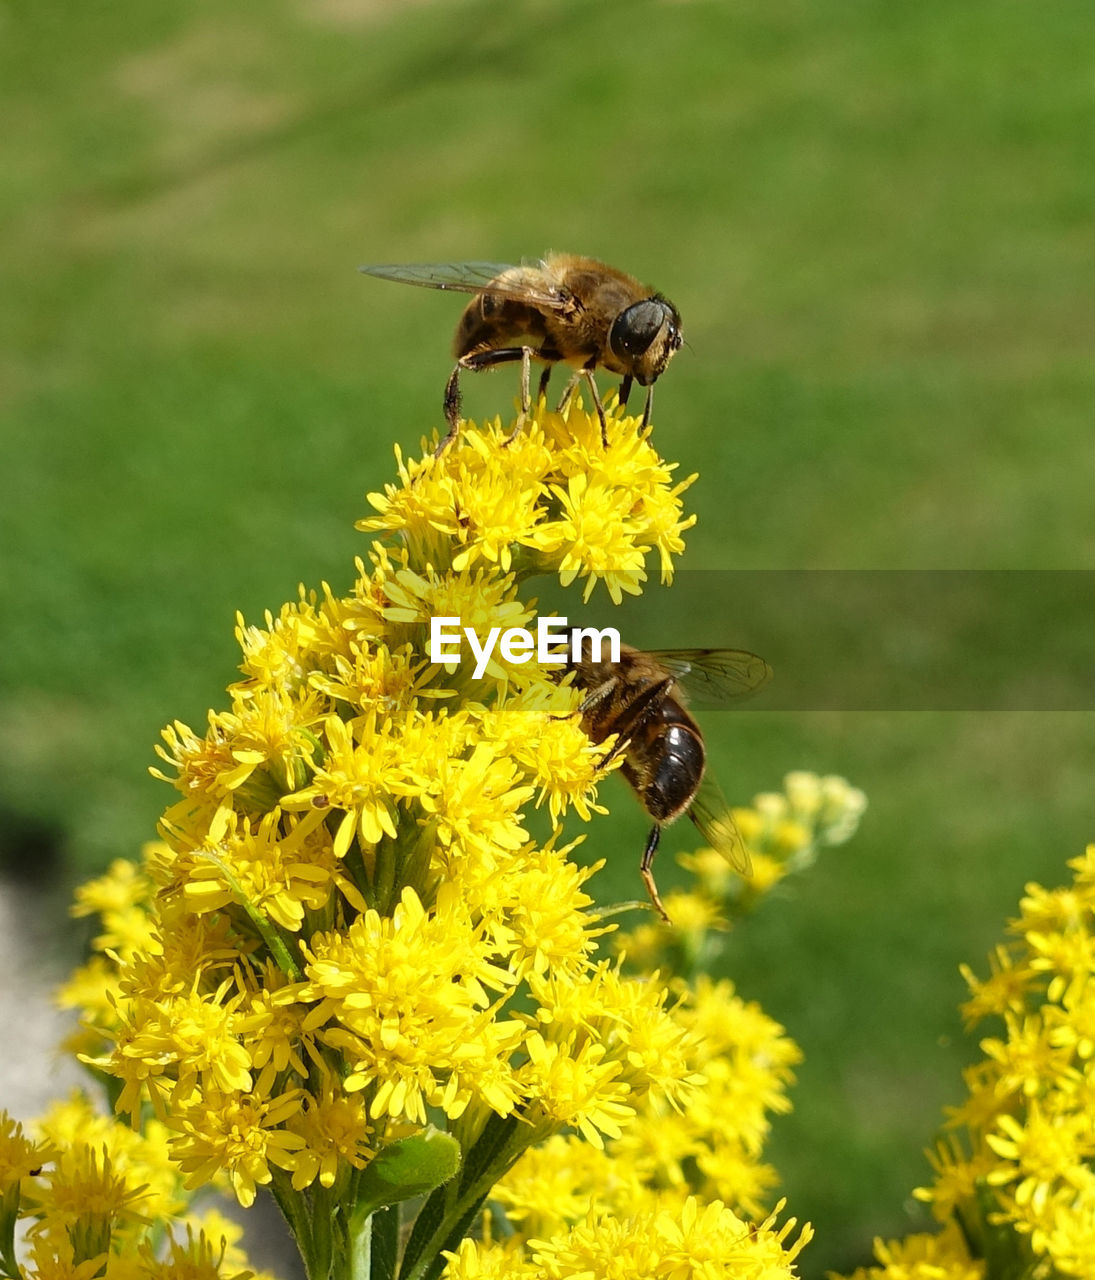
(355, 926)
(544, 910)
(597, 538)
(1039, 1153)
(224, 1234)
(923, 1257)
(280, 656)
(1018, 1182)
(957, 1178)
(560, 1181)
(270, 1023)
(194, 1258)
(407, 999)
(140, 1159)
(476, 803)
(280, 870)
(550, 500)
(239, 1134)
(208, 768)
(692, 1240)
(1026, 1060)
(626, 1020)
(478, 1260)
(122, 888)
(387, 678)
(20, 1157)
(363, 775)
(1005, 991)
(557, 757)
(336, 1132)
(571, 1084)
(52, 1257)
(83, 1194)
(1065, 1231)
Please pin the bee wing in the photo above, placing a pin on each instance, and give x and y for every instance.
(713, 677)
(526, 284)
(714, 821)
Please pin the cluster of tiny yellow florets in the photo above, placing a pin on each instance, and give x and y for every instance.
(1014, 1182)
(696, 1239)
(739, 1066)
(359, 969)
(551, 499)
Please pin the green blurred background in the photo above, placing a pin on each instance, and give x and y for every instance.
(876, 221)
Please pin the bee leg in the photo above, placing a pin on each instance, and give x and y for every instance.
(625, 390)
(587, 373)
(545, 378)
(526, 376)
(478, 360)
(568, 391)
(646, 410)
(451, 406)
(648, 875)
(526, 404)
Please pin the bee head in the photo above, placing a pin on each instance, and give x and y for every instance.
(645, 336)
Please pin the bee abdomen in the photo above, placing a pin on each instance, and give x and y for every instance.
(681, 761)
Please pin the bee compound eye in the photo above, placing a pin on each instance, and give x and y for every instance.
(636, 327)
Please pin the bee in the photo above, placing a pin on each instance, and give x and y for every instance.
(640, 700)
(565, 308)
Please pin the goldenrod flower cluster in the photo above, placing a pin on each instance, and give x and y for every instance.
(359, 969)
(1014, 1183)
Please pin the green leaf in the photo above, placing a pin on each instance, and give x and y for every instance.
(385, 1243)
(407, 1168)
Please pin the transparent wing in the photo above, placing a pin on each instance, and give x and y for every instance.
(526, 284)
(713, 677)
(712, 816)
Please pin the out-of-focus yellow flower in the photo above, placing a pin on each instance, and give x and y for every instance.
(924, 1257)
(782, 834)
(20, 1156)
(1013, 1182)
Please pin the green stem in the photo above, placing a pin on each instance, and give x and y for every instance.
(384, 876)
(361, 1245)
(268, 933)
(328, 1234)
(9, 1213)
(292, 1209)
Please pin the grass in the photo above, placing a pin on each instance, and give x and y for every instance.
(875, 221)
